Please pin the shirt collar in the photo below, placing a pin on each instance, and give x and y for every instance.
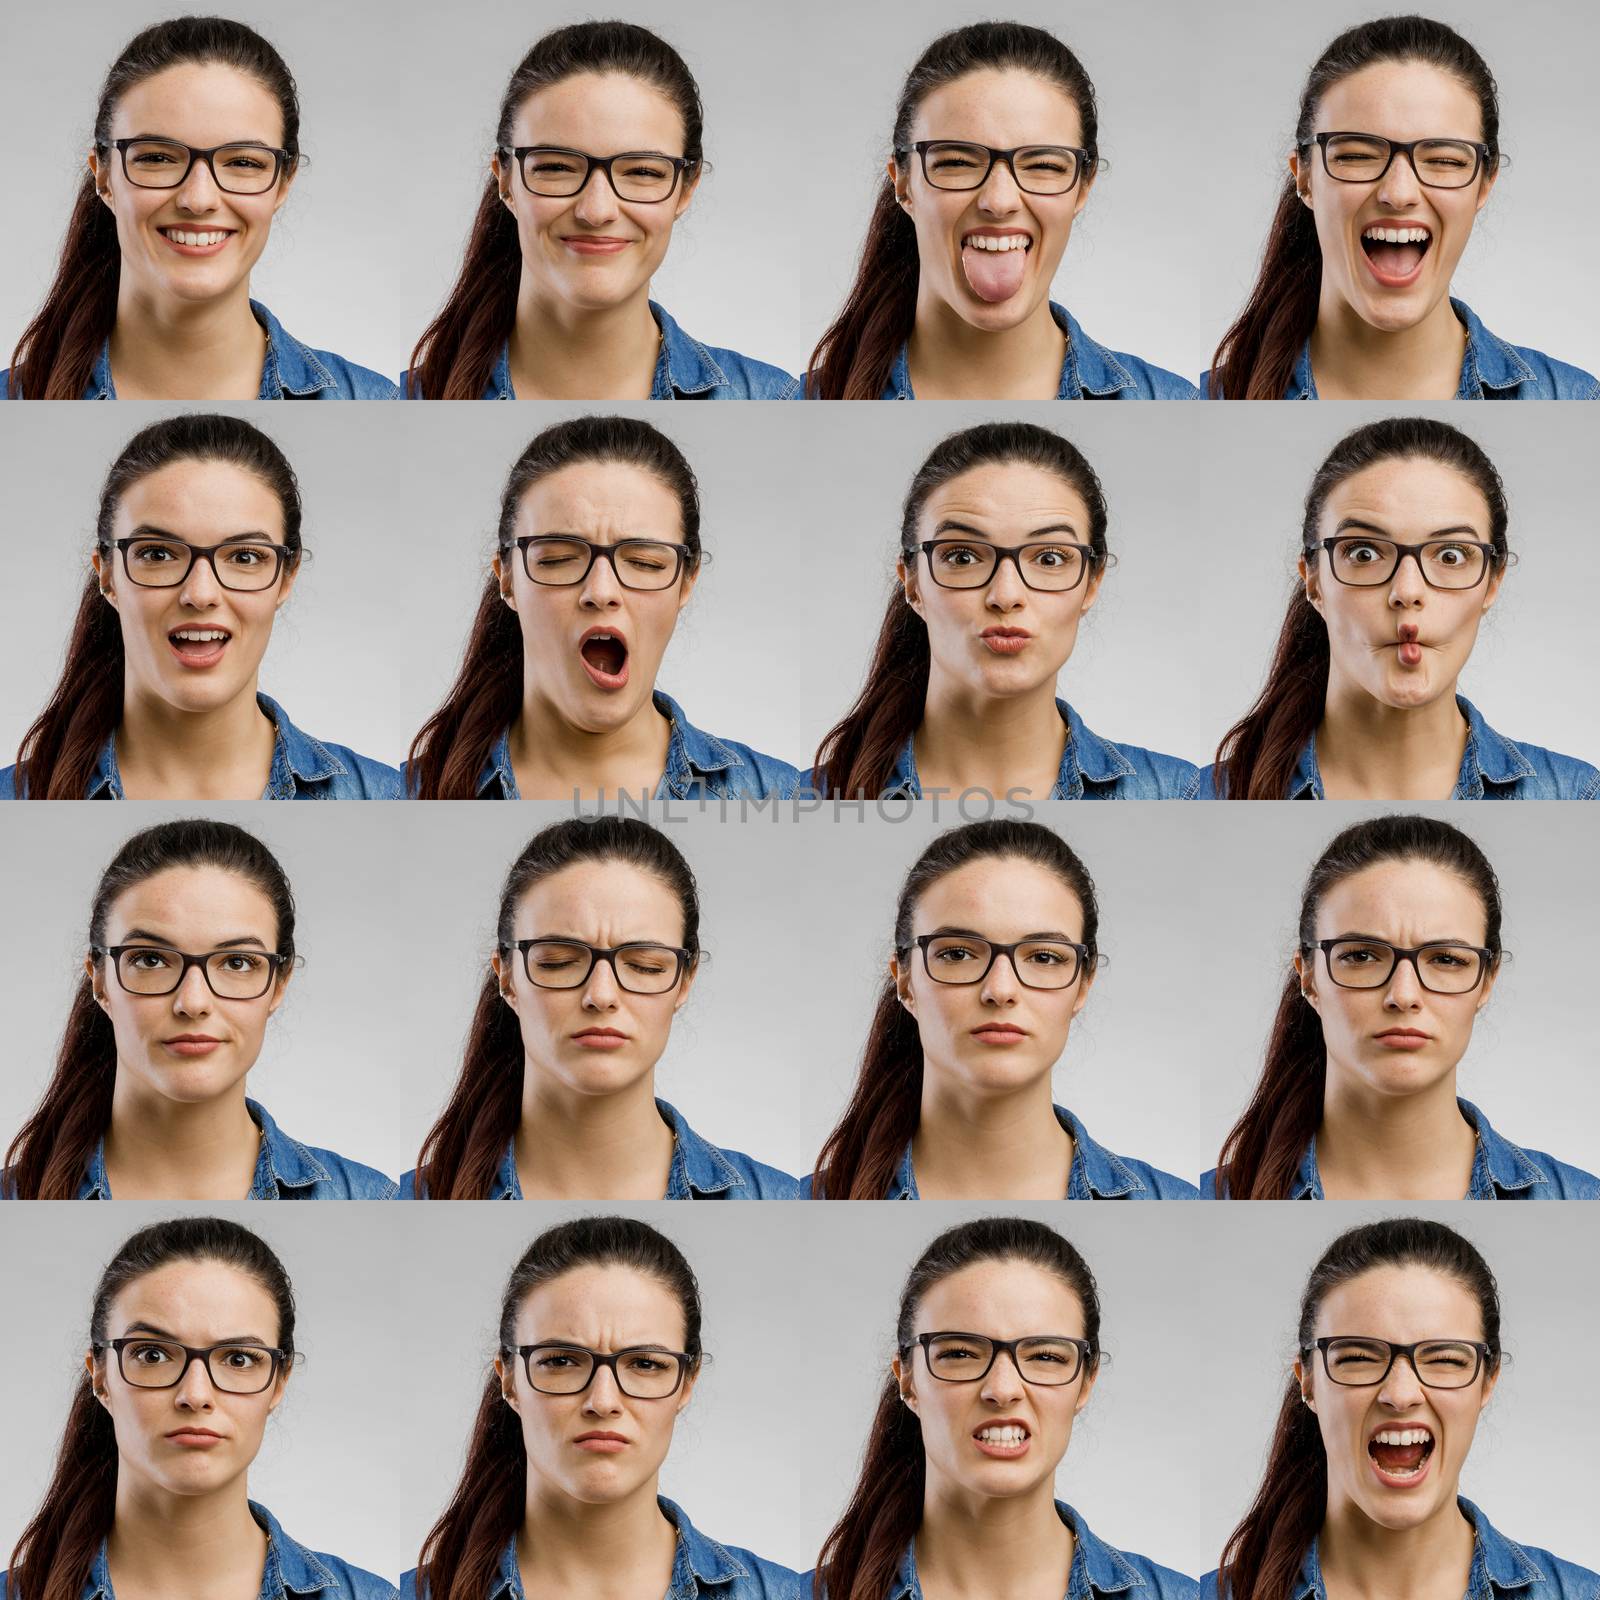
(698, 1562)
(686, 367)
(699, 1168)
(508, 1580)
(499, 387)
(497, 781)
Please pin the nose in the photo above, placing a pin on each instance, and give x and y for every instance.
(603, 1397)
(200, 588)
(1404, 991)
(597, 200)
(1407, 587)
(199, 192)
(1006, 589)
(601, 587)
(602, 992)
(1398, 187)
(1002, 1383)
(195, 1391)
(1001, 985)
(999, 195)
(192, 997)
(1401, 1389)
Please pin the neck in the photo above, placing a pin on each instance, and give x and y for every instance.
(1360, 1558)
(184, 1545)
(952, 360)
(1352, 360)
(990, 1546)
(1376, 751)
(163, 348)
(560, 352)
(593, 1147)
(619, 1548)
(222, 754)
(561, 761)
(971, 741)
(1374, 1147)
(985, 1146)
(159, 1148)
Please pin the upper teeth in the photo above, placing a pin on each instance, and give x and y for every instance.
(186, 236)
(1398, 235)
(1403, 1436)
(991, 241)
(1007, 1435)
(201, 635)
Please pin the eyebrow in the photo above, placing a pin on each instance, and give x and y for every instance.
(1378, 938)
(954, 525)
(1438, 533)
(162, 1333)
(574, 938)
(568, 533)
(972, 933)
(167, 138)
(148, 530)
(144, 936)
(578, 1344)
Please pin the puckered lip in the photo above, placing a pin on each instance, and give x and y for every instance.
(1004, 1422)
(1003, 631)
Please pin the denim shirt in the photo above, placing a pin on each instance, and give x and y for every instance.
(291, 1570)
(702, 1569)
(303, 768)
(699, 1171)
(1500, 1171)
(1092, 768)
(1499, 1569)
(291, 371)
(698, 765)
(1493, 767)
(285, 1170)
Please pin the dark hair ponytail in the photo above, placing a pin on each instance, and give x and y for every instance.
(853, 359)
(1264, 1149)
(463, 1150)
(1259, 753)
(462, 1552)
(58, 349)
(456, 354)
(50, 1154)
(1264, 1554)
(859, 1158)
(861, 1555)
(52, 1558)
(61, 748)
(449, 752)
(1257, 355)
(859, 752)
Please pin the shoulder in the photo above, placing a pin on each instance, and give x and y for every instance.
(1563, 1180)
(1552, 379)
(1159, 1185)
(762, 1182)
(1210, 785)
(1208, 1587)
(6, 394)
(347, 1579)
(1152, 382)
(377, 779)
(1208, 1185)
(749, 379)
(1171, 777)
(1515, 371)
(352, 1180)
(761, 775)
(1560, 777)
(354, 382)
(1164, 1583)
(408, 1186)
(708, 372)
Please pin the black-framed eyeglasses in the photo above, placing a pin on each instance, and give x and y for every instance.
(1358, 1362)
(1444, 967)
(243, 168)
(1365, 157)
(1034, 168)
(1046, 1359)
(1038, 963)
(642, 1372)
(1055, 566)
(638, 967)
(1364, 562)
(641, 177)
(146, 1362)
(151, 969)
(561, 560)
(164, 563)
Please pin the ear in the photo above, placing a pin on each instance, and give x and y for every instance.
(291, 571)
(900, 977)
(1489, 1382)
(1313, 584)
(1085, 984)
(103, 570)
(1085, 184)
(279, 1386)
(285, 972)
(1491, 591)
(900, 181)
(97, 981)
(1486, 988)
(285, 184)
(95, 1366)
(503, 982)
(1091, 587)
(101, 175)
(907, 574)
(1485, 189)
(1086, 1388)
(686, 1392)
(686, 192)
(686, 983)
(502, 179)
(1303, 1378)
(686, 585)
(905, 1382)
(1306, 972)
(504, 580)
(1300, 177)
(508, 1382)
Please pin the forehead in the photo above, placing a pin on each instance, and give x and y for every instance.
(602, 1306)
(196, 907)
(1407, 497)
(1401, 100)
(601, 497)
(590, 896)
(602, 113)
(1001, 897)
(1008, 497)
(1403, 901)
(1004, 1299)
(197, 1302)
(1001, 108)
(202, 103)
(201, 501)
(1403, 1304)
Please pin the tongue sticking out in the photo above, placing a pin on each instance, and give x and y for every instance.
(606, 654)
(1400, 1457)
(1394, 260)
(994, 275)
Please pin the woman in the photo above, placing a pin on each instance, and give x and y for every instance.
(1403, 552)
(596, 949)
(994, 151)
(598, 550)
(1398, 952)
(599, 1351)
(1396, 152)
(190, 951)
(1002, 553)
(597, 155)
(995, 951)
(197, 547)
(149, 1492)
(196, 146)
(956, 1490)
(1397, 1354)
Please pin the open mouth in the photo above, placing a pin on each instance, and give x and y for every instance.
(196, 241)
(1401, 1454)
(1005, 1440)
(1396, 254)
(994, 263)
(605, 657)
(199, 647)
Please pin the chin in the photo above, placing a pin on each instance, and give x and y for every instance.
(1400, 1076)
(193, 1084)
(1002, 1070)
(598, 1074)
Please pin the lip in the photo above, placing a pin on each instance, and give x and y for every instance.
(194, 249)
(605, 680)
(602, 1444)
(204, 658)
(1000, 1033)
(1006, 641)
(1005, 1452)
(1403, 1039)
(1408, 647)
(1388, 1480)
(1002, 233)
(584, 244)
(600, 1039)
(191, 1044)
(194, 1438)
(1386, 279)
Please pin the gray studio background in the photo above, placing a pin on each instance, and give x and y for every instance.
(801, 515)
(1197, 106)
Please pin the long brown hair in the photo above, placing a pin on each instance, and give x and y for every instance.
(1259, 753)
(1257, 355)
(52, 1558)
(49, 1155)
(462, 1553)
(862, 1554)
(1263, 1555)
(859, 752)
(1263, 1151)
(853, 359)
(457, 351)
(465, 1147)
(859, 1158)
(449, 752)
(58, 349)
(60, 750)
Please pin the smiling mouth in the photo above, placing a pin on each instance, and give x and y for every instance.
(1401, 1453)
(199, 647)
(995, 264)
(196, 240)
(1396, 254)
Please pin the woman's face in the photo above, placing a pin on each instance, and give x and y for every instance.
(196, 242)
(598, 1038)
(600, 1446)
(1400, 1038)
(592, 251)
(994, 1036)
(193, 1438)
(1392, 286)
(1403, 642)
(195, 646)
(188, 1046)
(999, 1436)
(594, 648)
(1004, 639)
(991, 288)
(1403, 1305)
